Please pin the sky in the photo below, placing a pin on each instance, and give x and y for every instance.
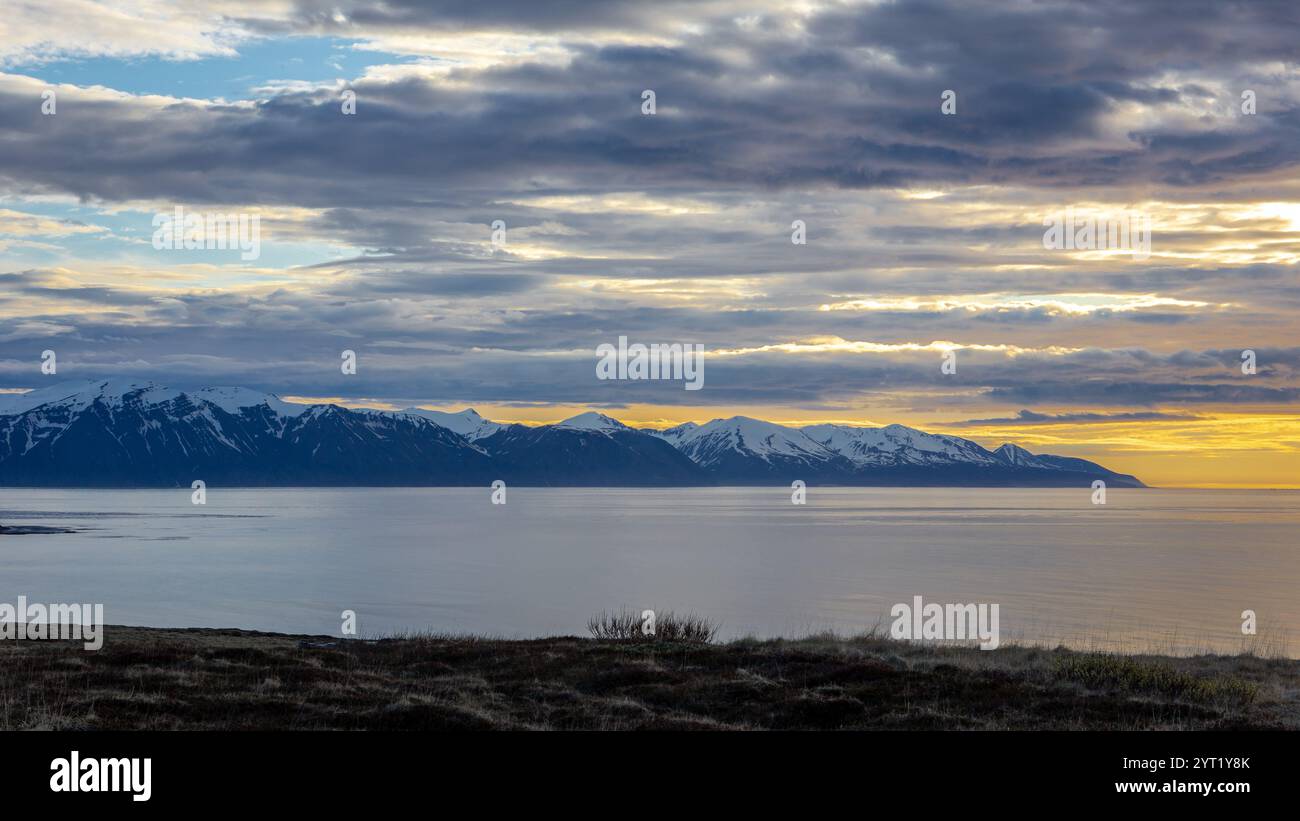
(923, 145)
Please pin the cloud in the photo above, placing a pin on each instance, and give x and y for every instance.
(1120, 392)
(1028, 417)
(924, 231)
(842, 96)
(181, 29)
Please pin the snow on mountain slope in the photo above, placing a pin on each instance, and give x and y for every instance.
(233, 400)
(592, 421)
(107, 434)
(1018, 456)
(721, 439)
(81, 394)
(890, 445)
(897, 445)
(467, 423)
(674, 434)
(743, 450)
(116, 393)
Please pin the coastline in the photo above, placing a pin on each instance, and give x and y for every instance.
(226, 679)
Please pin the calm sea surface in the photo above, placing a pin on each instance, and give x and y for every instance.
(1152, 570)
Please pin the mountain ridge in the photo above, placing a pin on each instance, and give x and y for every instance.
(110, 433)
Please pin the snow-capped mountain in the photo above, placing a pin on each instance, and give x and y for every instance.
(756, 450)
(467, 422)
(592, 421)
(741, 450)
(897, 445)
(121, 434)
(1018, 456)
(109, 434)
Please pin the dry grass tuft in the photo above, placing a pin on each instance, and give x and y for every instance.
(669, 628)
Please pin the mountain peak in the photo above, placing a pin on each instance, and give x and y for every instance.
(684, 427)
(115, 392)
(233, 400)
(1015, 455)
(84, 392)
(897, 428)
(591, 420)
(467, 422)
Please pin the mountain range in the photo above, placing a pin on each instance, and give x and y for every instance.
(115, 434)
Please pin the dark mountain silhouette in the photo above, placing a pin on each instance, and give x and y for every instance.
(106, 434)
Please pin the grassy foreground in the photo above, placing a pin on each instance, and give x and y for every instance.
(147, 678)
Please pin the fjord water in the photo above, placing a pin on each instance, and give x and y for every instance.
(1152, 570)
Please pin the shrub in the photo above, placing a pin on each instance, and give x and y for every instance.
(626, 625)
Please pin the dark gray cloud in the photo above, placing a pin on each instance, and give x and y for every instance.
(1031, 80)
(1120, 392)
(1028, 417)
(347, 18)
(289, 342)
(416, 283)
(760, 122)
